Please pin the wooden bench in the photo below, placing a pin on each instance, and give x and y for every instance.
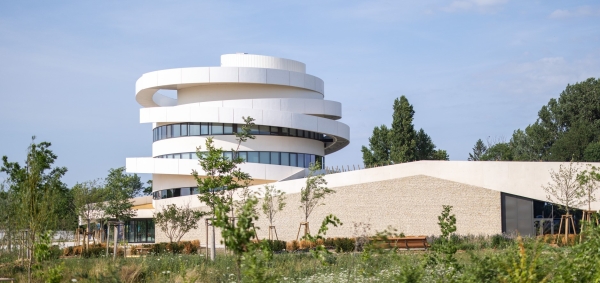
(7, 279)
(411, 242)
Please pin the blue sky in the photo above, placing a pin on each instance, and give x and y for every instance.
(472, 69)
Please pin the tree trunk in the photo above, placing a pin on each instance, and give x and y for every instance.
(115, 242)
(9, 241)
(87, 240)
(107, 241)
(29, 255)
(213, 244)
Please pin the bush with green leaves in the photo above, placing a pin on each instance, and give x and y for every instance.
(443, 249)
(344, 245)
(275, 245)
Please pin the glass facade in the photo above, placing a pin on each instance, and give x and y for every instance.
(211, 129)
(168, 193)
(141, 230)
(264, 157)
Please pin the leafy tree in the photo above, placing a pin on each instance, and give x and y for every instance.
(498, 152)
(521, 146)
(148, 189)
(37, 188)
(425, 149)
(8, 215)
(589, 181)
(119, 190)
(444, 248)
(176, 221)
(273, 202)
(320, 252)
(378, 151)
(571, 144)
(402, 133)
(222, 177)
(565, 189)
(592, 152)
(564, 127)
(87, 197)
(478, 151)
(315, 191)
(440, 154)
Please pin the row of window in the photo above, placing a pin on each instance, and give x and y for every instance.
(177, 192)
(139, 231)
(265, 157)
(211, 129)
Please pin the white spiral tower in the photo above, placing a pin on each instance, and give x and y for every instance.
(295, 125)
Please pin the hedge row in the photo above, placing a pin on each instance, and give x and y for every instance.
(340, 245)
(192, 247)
(96, 250)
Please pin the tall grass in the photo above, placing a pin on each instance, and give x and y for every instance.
(480, 259)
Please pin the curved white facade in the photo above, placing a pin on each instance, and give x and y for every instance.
(295, 125)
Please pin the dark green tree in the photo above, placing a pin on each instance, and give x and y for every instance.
(402, 134)
(571, 144)
(440, 154)
(148, 189)
(120, 189)
(498, 152)
(564, 127)
(478, 151)
(592, 152)
(425, 149)
(379, 147)
(400, 143)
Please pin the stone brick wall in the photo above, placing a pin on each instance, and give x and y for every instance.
(410, 205)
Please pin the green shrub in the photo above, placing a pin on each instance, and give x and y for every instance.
(55, 274)
(344, 245)
(275, 245)
(92, 251)
(329, 243)
(500, 241)
(159, 248)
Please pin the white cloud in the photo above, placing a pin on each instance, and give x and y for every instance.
(542, 78)
(474, 5)
(384, 10)
(583, 11)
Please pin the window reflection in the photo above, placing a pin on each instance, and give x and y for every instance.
(139, 231)
(253, 157)
(205, 129)
(263, 157)
(217, 129)
(194, 129)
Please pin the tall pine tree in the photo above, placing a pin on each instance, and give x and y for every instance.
(478, 151)
(401, 143)
(379, 147)
(425, 147)
(402, 135)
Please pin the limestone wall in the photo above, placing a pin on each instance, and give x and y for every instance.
(410, 204)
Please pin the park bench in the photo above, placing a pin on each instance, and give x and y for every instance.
(410, 242)
(7, 279)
